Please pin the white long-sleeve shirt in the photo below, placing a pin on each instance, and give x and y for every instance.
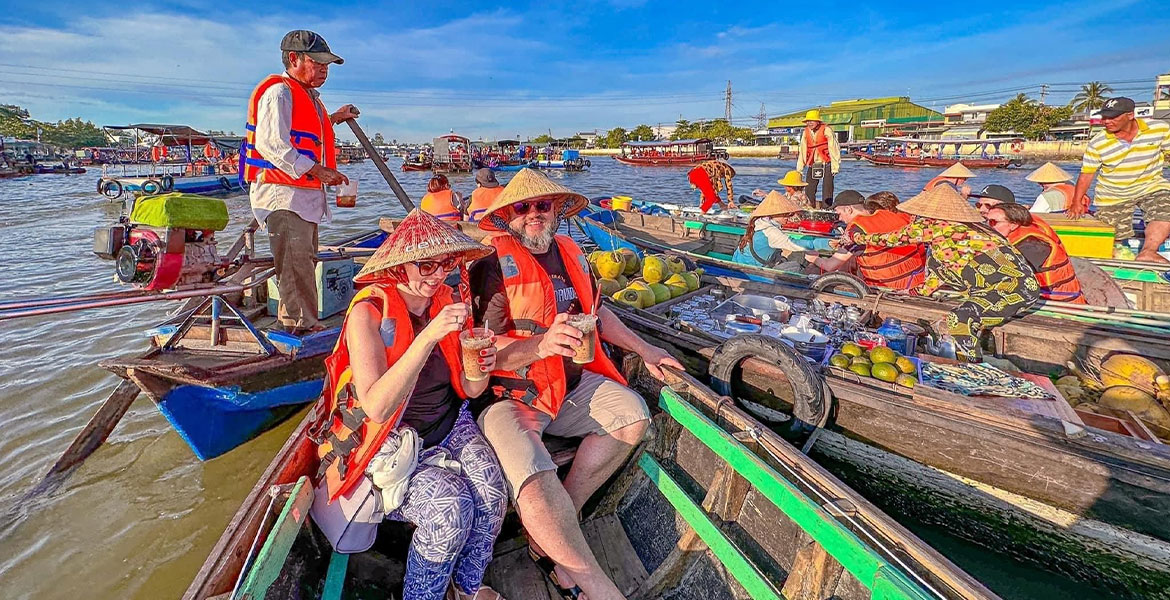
(273, 123)
(777, 237)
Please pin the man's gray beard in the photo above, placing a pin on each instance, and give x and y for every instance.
(540, 242)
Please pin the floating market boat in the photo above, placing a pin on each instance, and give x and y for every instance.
(914, 152)
(714, 502)
(567, 159)
(416, 164)
(54, 169)
(677, 153)
(452, 154)
(182, 160)
(1082, 493)
(711, 240)
(349, 155)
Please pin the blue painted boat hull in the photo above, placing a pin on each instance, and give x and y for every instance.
(215, 420)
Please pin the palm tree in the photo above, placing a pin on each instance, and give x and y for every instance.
(1091, 97)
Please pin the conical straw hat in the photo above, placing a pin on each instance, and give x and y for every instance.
(774, 204)
(1049, 173)
(530, 185)
(420, 236)
(941, 202)
(957, 170)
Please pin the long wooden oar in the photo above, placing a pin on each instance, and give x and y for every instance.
(98, 428)
(381, 164)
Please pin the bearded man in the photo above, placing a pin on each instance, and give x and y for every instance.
(526, 293)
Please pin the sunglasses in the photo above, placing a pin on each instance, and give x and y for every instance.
(426, 268)
(994, 222)
(986, 204)
(522, 208)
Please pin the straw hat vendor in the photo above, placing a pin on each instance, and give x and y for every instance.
(956, 175)
(538, 294)
(1057, 189)
(794, 189)
(400, 361)
(898, 268)
(764, 243)
(709, 178)
(965, 255)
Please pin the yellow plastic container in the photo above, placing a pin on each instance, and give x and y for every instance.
(1086, 237)
(620, 202)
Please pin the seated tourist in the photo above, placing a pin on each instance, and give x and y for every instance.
(441, 201)
(899, 268)
(400, 360)
(956, 175)
(533, 290)
(765, 243)
(1043, 250)
(1056, 189)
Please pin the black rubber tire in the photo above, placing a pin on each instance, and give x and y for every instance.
(151, 187)
(812, 402)
(831, 282)
(227, 185)
(168, 183)
(100, 184)
(112, 189)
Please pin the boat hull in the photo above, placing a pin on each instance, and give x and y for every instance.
(664, 161)
(196, 184)
(903, 161)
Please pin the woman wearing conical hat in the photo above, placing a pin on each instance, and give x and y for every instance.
(397, 380)
(967, 256)
(956, 175)
(1057, 191)
(765, 243)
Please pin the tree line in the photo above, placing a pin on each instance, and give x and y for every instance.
(69, 134)
(1033, 120)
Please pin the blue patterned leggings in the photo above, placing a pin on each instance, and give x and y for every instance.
(457, 517)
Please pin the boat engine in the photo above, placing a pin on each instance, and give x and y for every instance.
(152, 251)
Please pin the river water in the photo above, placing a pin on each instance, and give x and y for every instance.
(139, 517)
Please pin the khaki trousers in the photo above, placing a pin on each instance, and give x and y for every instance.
(293, 241)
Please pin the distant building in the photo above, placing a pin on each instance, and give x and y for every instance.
(1162, 97)
(590, 138)
(968, 114)
(863, 119)
(663, 132)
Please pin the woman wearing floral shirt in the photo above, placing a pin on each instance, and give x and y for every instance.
(967, 257)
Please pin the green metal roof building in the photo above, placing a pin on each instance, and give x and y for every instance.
(863, 119)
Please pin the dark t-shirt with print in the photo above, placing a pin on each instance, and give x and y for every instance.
(434, 405)
(491, 301)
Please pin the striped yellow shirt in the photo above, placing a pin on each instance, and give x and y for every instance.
(1128, 170)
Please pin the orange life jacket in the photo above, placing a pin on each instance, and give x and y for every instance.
(1068, 190)
(899, 268)
(1057, 278)
(346, 438)
(442, 205)
(311, 133)
(158, 153)
(930, 185)
(817, 151)
(532, 307)
(481, 200)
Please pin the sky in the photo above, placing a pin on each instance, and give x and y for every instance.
(421, 69)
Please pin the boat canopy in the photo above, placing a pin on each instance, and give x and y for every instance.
(451, 137)
(948, 141)
(180, 135)
(667, 143)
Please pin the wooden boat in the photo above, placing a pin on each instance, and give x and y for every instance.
(1079, 493)
(677, 153)
(714, 502)
(452, 154)
(179, 168)
(348, 155)
(711, 242)
(915, 152)
(57, 169)
(566, 159)
(416, 166)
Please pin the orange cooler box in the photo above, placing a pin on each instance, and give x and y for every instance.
(1086, 237)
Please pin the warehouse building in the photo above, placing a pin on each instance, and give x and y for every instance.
(864, 119)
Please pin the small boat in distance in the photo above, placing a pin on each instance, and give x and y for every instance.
(348, 155)
(181, 159)
(452, 154)
(676, 153)
(914, 152)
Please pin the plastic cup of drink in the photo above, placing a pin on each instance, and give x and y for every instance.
(347, 194)
(587, 325)
(473, 341)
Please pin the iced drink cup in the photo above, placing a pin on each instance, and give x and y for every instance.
(474, 340)
(347, 194)
(587, 325)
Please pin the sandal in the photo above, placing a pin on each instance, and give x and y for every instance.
(453, 593)
(548, 567)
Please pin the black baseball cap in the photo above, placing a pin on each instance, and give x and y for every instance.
(849, 198)
(1116, 106)
(310, 44)
(996, 192)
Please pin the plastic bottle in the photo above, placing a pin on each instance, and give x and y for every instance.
(891, 329)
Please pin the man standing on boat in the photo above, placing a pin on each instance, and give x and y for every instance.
(1127, 160)
(290, 159)
(553, 375)
(819, 156)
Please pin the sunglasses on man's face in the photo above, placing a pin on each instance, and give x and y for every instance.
(994, 222)
(986, 204)
(426, 268)
(522, 208)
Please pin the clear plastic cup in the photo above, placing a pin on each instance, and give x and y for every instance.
(473, 341)
(347, 194)
(587, 325)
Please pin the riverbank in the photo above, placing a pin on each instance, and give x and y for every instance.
(1037, 152)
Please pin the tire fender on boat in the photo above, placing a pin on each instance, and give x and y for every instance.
(111, 189)
(850, 285)
(227, 185)
(168, 183)
(813, 402)
(151, 186)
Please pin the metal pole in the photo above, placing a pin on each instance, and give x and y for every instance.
(381, 164)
